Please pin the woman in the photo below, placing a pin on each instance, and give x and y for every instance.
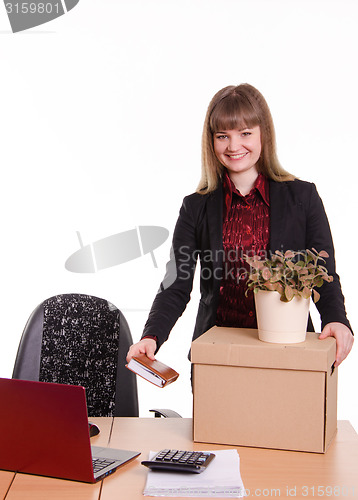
(245, 203)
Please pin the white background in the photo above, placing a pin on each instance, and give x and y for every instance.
(100, 125)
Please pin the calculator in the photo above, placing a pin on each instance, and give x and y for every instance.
(180, 461)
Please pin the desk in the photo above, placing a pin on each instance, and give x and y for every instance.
(266, 473)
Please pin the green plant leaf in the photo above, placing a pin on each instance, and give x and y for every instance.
(319, 282)
(289, 254)
(316, 296)
(289, 293)
(305, 293)
(266, 273)
(270, 286)
(323, 254)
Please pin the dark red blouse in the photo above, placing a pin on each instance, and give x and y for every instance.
(245, 230)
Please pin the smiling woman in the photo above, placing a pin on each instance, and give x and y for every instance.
(246, 203)
(241, 109)
(239, 151)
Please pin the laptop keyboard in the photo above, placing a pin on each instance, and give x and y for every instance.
(100, 464)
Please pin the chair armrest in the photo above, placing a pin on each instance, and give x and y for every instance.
(164, 412)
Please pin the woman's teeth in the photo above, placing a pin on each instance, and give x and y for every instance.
(236, 157)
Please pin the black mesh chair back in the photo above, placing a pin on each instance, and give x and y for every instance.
(81, 340)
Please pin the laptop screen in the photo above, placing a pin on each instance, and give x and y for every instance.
(45, 430)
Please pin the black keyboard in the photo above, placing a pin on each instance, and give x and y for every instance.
(179, 460)
(101, 463)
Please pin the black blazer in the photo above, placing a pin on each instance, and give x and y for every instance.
(297, 221)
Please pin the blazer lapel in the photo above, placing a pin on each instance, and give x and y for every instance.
(278, 215)
(215, 220)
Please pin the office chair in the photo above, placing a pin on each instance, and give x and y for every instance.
(82, 340)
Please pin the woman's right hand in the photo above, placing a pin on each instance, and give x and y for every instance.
(144, 346)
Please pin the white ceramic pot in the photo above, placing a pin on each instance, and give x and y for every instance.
(281, 322)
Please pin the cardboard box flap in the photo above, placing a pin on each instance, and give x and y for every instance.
(241, 347)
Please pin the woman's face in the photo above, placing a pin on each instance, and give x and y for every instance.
(238, 150)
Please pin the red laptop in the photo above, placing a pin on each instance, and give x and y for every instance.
(44, 431)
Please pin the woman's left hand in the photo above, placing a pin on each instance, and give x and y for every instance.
(344, 339)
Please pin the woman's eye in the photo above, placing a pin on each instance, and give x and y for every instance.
(246, 133)
(221, 136)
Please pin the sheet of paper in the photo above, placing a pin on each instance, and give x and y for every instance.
(221, 479)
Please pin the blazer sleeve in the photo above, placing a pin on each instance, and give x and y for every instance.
(318, 235)
(175, 289)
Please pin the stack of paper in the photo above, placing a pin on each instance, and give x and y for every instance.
(221, 479)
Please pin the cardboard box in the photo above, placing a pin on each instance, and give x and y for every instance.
(252, 393)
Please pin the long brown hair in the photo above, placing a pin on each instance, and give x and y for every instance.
(239, 107)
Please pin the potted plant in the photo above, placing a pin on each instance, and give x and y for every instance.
(294, 276)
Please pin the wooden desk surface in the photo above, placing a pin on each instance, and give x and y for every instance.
(265, 473)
